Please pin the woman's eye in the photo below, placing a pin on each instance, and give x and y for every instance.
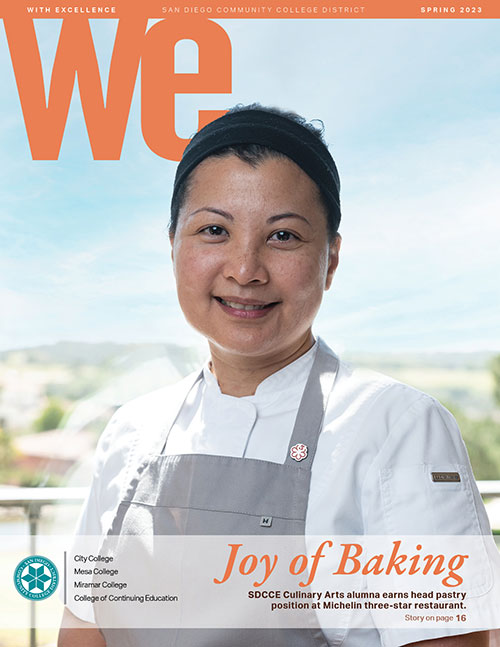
(214, 230)
(283, 236)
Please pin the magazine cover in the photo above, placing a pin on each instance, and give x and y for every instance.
(249, 350)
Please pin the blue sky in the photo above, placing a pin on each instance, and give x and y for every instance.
(411, 110)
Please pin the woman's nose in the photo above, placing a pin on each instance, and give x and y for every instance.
(246, 264)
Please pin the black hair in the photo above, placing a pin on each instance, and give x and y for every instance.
(254, 154)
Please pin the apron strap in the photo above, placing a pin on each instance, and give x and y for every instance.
(175, 409)
(141, 450)
(312, 408)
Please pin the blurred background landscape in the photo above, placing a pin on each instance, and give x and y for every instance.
(56, 399)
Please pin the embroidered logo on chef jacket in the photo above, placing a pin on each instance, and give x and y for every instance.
(298, 452)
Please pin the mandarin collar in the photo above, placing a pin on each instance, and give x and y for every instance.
(292, 376)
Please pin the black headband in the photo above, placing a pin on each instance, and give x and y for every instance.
(276, 132)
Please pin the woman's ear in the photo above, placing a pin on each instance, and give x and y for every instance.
(333, 259)
(171, 237)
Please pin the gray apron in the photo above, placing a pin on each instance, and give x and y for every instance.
(195, 494)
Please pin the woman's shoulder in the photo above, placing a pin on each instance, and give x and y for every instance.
(360, 382)
(156, 404)
(378, 396)
(383, 417)
(138, 422)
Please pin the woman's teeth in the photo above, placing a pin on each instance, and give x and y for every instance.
(241, 306)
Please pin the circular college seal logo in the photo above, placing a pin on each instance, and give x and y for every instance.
(36, 577)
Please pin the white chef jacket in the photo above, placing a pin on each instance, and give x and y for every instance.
(370, 474)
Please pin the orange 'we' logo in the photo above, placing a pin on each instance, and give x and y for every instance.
(106, 120)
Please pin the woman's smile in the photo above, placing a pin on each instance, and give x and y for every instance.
(245, 308)
(252, 256)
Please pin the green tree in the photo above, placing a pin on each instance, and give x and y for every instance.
(482, 438)
(50, 417)
(6, 449)
(495, 369)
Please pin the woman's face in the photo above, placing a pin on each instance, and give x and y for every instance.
(252, 256)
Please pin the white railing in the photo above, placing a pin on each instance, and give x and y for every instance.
(489, 488)
(32, 500)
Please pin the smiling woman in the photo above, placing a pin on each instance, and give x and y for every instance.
(274, 436)
(252, 259)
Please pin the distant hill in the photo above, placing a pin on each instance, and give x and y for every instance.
(460, 379)
(68, 373)
(74, 354)
(379, 361)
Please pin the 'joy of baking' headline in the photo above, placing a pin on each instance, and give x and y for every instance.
(353, 560)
